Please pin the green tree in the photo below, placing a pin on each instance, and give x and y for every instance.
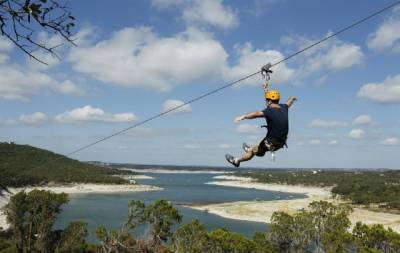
(161, 216)
(31, 217)
(331, 224)
(193, 238)
(262, 244)
(291, 233)
(280, 234)
(73, 238)
(231, 242)
(375, 238)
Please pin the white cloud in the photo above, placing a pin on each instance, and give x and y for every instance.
(171, 103)
(250, 59)
(139, 58)
(202, 12)
(336, 57)
(386, 92)
(8, 122)
(17, 82)
(357, 134)
(210, 12)
(165, 4)
(331, 55)
(68, 87)
(91, 114)
(315, 142)
(392, 141)
(387, 35)
(333, 142)
(33, 119)
(190, 146)
(249, 129)
(224, 146)
(5, 45)
(362, 120)
(318, 123)
(36, 118)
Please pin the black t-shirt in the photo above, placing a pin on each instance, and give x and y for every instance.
(277, 122)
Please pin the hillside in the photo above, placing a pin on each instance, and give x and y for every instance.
(22, 165)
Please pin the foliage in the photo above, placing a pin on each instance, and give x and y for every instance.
(193, 238)
(160, 216)
(22, 165)
(31, 217)
(231, 242)
(22, 20)
(73, 238)
(324, 227)
(362, 187)
(376, 239)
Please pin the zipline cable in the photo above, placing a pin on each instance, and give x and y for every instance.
(237, 81)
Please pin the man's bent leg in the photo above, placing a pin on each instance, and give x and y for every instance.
(247, 156)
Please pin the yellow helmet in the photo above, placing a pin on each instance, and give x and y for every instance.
(273, 95)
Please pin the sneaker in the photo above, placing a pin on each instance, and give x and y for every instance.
(232, 160)
(246, 147)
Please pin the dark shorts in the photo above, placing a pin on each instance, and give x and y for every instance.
(266, 145)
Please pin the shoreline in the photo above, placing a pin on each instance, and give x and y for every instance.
(167, 171)
(76, 189)
(261, 211)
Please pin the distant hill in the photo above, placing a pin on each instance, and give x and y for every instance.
(22, 165)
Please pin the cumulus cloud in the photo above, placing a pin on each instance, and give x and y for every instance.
(387, 35)
(33, 119)
(139, 58)
(249, 129)
(387, 91)
(315, 142)
(318, 123)
(210, 12)
(337, 57)
(36, 118)
(190, 146)
(357, 134)
(5, 45)
(17, 82)
(362, 120)
(202, 12)
(331, 55)
(92, 114)
(171, 104)
(250, 59)
(224, 146)
(333, 142)
(391, 141)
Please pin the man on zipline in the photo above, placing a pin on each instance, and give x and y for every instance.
(277, 119)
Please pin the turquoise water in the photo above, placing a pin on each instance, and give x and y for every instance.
(181, 189)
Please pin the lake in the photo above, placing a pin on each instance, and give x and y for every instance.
(110, 210)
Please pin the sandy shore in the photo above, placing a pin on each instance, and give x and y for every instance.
(261, 211)
(77, 189)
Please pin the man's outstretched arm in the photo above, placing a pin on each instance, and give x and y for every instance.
(251, 115)
(290, 101)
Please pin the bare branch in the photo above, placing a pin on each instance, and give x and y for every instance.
(20, 22)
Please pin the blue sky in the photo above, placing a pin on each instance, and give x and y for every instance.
(137, 58)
